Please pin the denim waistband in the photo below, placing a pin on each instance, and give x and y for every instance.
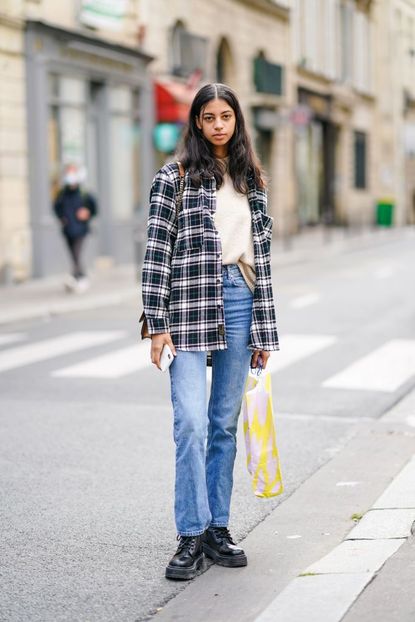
(231, 269)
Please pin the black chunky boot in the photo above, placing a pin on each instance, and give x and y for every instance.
(219, 546)
(187, 560)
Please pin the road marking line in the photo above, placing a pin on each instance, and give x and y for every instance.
(331, 418)
(384, 369)
(50, 348)
(304, 301)
(297, 347)
(112, 365)
(384, 272)
(11, 338)
(293, 349)
(347, 483)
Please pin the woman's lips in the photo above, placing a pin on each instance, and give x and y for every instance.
(219, 135)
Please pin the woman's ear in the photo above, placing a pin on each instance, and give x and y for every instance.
(199, 125)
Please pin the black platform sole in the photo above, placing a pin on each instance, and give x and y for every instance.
(184, 574)
(236, 561)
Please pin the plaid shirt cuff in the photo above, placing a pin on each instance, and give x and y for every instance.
(158, 325)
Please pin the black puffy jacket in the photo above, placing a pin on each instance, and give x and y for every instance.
(67, 203)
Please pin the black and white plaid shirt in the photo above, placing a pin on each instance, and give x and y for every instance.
(182, 271)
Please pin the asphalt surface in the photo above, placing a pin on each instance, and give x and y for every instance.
(87, 464)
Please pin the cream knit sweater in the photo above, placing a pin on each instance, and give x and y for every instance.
(234, 226)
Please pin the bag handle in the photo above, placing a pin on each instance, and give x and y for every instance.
(179, 198)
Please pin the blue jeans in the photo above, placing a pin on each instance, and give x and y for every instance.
(205, 437)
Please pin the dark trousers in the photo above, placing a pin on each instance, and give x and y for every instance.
(75, 248)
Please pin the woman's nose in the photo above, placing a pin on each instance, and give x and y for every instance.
(218, 124)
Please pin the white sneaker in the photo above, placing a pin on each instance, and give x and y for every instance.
(82, 285)
(70, 283)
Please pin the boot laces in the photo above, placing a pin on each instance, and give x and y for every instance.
(223, 532)
(185, 543)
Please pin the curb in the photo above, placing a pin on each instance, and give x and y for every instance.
(46, 310)
(284, 580)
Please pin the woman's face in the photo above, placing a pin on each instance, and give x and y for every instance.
(217, 121)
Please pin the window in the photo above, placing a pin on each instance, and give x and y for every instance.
(176, 47)
(124, 152)
(188, 52)
(346, 34)
(361, 73)
(66, 125)
(224, 63)
(360, 157)
(267, 76)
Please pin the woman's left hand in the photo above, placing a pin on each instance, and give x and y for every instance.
(264, 358)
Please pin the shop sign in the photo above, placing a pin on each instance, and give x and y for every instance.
(107, 14)
(301, 115)
(166, 136)
(266, 119)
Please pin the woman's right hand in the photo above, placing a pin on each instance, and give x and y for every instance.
(83, 214)
(157, 343)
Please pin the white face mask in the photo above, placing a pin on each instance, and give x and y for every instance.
(71, 179)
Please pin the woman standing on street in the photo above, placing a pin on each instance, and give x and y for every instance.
(207, 287)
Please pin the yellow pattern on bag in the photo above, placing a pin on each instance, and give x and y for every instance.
(260, 439)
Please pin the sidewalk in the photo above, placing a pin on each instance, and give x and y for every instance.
(339, 549)
(40, 298)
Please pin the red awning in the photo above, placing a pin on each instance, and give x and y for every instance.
(173, 100)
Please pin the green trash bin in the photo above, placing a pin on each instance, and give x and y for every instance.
(384, 213)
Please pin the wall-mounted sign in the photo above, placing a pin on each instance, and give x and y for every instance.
(301, 115)
(107, 14)
(266, 119)
(166, 136)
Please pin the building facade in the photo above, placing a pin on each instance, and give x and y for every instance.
(327, 88)
(75, 88)
(335, 137)
(395, 76)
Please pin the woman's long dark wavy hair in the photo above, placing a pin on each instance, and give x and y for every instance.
(196, 153)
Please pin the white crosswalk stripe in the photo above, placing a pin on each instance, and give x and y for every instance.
(122, 362)
(304, 301)
(384, 272)
(384, 369)
(8, 338)
(20, 356)
(294, 348)
(115, 364)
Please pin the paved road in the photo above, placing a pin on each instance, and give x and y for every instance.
(86, 445)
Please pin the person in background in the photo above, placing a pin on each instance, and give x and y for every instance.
(74, 208)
